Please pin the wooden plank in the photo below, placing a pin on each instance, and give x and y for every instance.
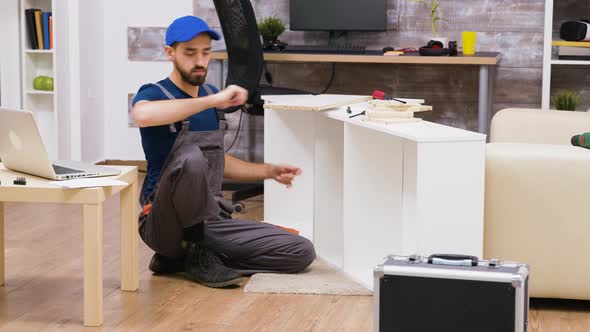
(311, 102)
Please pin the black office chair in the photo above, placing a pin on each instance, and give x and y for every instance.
(242, 41)
(245, 66)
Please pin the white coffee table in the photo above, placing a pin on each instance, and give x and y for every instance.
(38, 190)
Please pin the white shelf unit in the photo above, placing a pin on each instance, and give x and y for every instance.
(548, 60)
(37, 92)
(39, 51)
(43, 104)
(571, 62)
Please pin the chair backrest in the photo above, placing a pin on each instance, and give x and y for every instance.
(515, 125)
(242, 41)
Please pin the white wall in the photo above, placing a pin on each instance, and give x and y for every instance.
(122, 76)
(10, 54)
(92, 111)
(67, 74)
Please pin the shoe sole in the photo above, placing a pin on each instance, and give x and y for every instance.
(220, 284)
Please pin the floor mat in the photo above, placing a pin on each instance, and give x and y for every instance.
(319, 278)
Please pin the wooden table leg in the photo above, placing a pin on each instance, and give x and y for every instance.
(129, 260)
(93, 300)
(2, 243)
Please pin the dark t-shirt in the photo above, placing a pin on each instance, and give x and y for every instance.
(157, 141)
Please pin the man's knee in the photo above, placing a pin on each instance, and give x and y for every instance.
(164, 243)
(305, 254)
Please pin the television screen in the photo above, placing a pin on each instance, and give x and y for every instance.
(338, 15)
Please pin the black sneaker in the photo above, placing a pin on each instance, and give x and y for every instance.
(165, 265)
(205, 267)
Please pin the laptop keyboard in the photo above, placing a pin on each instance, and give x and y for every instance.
(64, 170)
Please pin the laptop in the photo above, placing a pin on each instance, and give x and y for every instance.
(22, 150)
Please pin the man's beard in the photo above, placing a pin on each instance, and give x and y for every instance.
(192, 80)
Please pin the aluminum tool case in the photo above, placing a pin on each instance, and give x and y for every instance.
(450, 293)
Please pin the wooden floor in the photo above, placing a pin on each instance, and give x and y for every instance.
(43, 288)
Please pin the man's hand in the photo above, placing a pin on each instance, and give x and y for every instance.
(232, 95)
(240, 170)
(283, 173)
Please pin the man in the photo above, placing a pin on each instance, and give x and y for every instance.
(185, 219)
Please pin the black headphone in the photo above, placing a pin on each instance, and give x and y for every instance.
(435, 44)
(434, 48)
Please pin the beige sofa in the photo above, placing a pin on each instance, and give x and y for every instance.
(537, 199)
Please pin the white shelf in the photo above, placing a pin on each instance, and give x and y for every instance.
(571, 62)
(39, 92)
(548, 51)
(40, 62)
(40, 51)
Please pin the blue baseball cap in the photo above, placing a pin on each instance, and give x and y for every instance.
(186, 28)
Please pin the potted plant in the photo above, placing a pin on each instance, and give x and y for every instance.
(270, 29)
(565, 100)
(434, 17)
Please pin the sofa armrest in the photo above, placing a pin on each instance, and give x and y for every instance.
(537, 212)
(516, 125)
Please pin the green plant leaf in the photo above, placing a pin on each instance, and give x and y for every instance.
(271, 27)
(566, 100)
(434, 6)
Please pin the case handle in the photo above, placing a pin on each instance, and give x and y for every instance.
(455, 260)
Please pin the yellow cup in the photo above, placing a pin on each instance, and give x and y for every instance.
(469, 41)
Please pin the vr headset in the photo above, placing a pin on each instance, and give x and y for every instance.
(575, 30)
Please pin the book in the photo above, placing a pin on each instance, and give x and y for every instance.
(568, 50)
(39, 28)
(46, 30)
(50, 31)
(573, 53)
(570, 43)
(31, 32)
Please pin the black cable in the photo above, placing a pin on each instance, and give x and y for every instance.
(267, 75)
(331, 36)
(331, 79)
(237, 131)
